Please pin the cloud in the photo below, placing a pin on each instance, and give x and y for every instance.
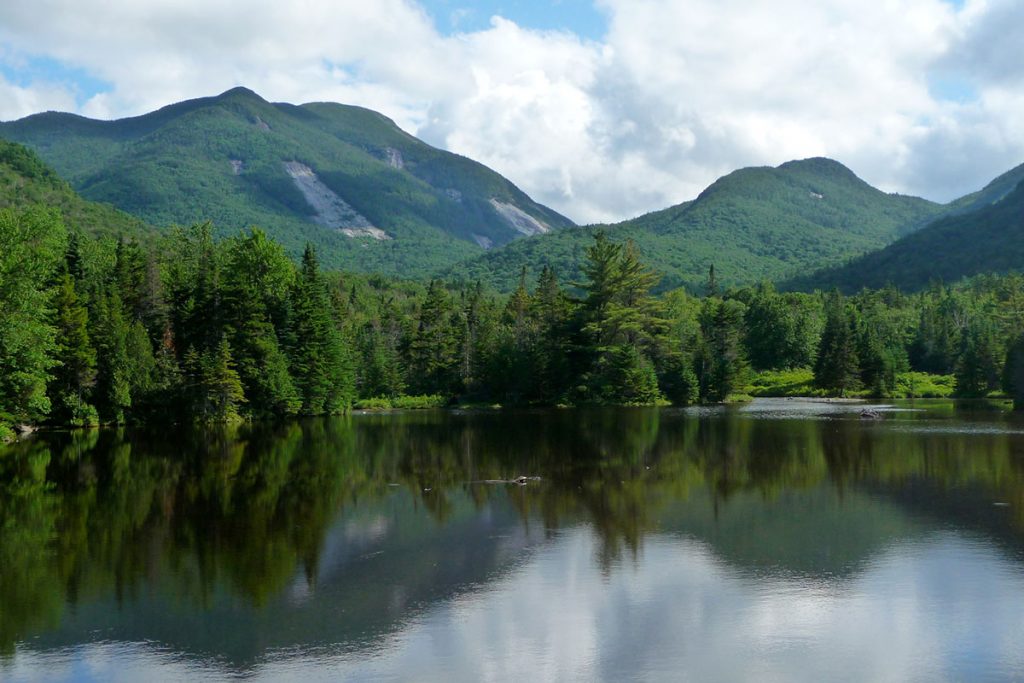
(676, 93)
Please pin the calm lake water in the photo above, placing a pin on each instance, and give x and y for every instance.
(781, 540)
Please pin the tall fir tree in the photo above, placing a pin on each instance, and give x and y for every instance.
(75, 374)
(837, 367)
(322, 366)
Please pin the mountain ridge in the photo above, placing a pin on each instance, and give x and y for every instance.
(227, 158)
(753, 223)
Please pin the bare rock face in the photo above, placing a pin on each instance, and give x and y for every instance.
(237, 165)
(261, 124)
(519, 219)
(394, 158)
(331, 210)
(484, 242)
(453, 195)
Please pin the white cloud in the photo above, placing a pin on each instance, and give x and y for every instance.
(677, 93)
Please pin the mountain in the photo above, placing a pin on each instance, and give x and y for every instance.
(370, 196)
(752, 224)
(984, 232)
(25, 181)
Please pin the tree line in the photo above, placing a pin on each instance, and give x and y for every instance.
(191, 329)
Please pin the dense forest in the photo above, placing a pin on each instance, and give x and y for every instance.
(187, 328)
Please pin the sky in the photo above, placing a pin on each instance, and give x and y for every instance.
(602, 109)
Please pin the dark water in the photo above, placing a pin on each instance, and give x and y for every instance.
(779, 541)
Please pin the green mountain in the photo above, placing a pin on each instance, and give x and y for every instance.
(25, 181)
(370, 196)
(983, 233)
(753, 224)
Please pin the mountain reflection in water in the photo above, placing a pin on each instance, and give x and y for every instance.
(777, 540)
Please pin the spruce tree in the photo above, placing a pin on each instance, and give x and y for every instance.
(321, 363)
(434, 348)
(1013, 373)
(979, 368)
(837, 368)
(75, 374)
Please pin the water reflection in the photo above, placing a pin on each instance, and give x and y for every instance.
(779, 540)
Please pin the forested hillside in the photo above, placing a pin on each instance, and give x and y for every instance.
(753, 224)
(987, 239)
(26, 181)
(346, 179)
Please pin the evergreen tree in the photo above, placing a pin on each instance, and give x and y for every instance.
(551, 310)
(837, 368)
(978, 369)
(110, 333)
(75, 374)
(618, 311)
(721, 361)
(321, 364)
(257, 279)
(1013, 373)
(434, 348)
(213, 388)
(771, 331)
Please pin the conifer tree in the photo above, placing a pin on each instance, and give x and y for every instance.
(434, 348)
(257, 278)
(1013, 373)
(721, 360)
(321, 364)
(837, 368)
(979, 368)
(75, 374)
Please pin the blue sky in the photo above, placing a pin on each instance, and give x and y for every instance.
(579, 16)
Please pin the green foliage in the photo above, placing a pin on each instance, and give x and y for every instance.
(721, 363)
(322, 366)
(989, 238)
(837, 366)
(924, 385)
(622, 325)
(25, 181)
(222, 159)
(75, 373)
(1013, 373)
(191, 328)
(754, 224)
(32, 244)
(979, 368)
(402, 402)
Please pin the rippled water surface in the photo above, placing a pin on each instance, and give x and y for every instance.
(782, 540)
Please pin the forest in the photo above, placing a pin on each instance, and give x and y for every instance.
(191, 329)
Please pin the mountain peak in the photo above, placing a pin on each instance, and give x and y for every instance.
(239, 92)
(818, 166)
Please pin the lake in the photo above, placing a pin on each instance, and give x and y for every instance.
(779, 540)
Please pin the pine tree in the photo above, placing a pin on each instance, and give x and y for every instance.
(257, 277)
(721, 360)
(75, 375)
(1013, 373)
(113, 394)
(221, 385)
(618, 311)
(321, 363)
(979, 368)
(837, 368)
(551, 311)
(434, 349)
